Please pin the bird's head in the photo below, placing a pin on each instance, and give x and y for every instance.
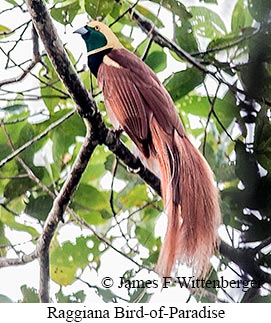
(98, 37)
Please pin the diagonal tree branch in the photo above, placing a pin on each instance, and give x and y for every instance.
(56, 214)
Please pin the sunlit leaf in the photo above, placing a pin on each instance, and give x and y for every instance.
(91, 203)
(99, 8)
(185, 36)
(10, 220)
(132, 195)
(77, 297)
(207, 23)
(4, 31)
(148, 14)
(176, 7)
(156, 58)
(240, 17)
(4, 242)
(30, 295)
(65, 11)
(65, 260)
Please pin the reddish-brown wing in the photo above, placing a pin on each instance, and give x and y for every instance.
(135, 95)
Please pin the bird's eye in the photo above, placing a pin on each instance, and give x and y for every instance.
(97, 28)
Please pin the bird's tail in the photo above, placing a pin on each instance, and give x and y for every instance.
(191, 202)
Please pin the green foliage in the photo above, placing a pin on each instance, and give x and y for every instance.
(207, 23)
(189, 79)
(156, 58)
(98, 9)
(184, 36)
(5, 299)
(65, 11)
(176, 7)
(259, 9)
(77, 297)
(236, 48)
(65, 260)
(240, 17)
(30, 295)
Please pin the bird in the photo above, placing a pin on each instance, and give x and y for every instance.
(138, 104)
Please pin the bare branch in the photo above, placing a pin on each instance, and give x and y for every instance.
(24, 259)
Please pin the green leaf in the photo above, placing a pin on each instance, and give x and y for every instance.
(181, 83)
(207, 23)
(39, 207)
(30, 295)
(185, 36)
(10, 220)
(14, 108)
(122, 172)
(145, 236)
(149, 15)
(3, 241)
(140, 295)
(90, 197)
(5, 31)
(50, 86)
(65, 260)
(96, 168)
(14, 132)
(106, 294)
(17, 187)
(259, 9)
(91, 204)
(13, 2)
(5, 299)
(98, 8)
(134, 194)
(176, 7)
(225, 42)
(78, 297)
(157, 60)
(65, 11)
(240, 17)
(26, 134)
(226, 109)
(64, 136)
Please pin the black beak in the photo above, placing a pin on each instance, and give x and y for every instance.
(81, 31)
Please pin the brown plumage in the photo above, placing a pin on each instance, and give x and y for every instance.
(139, 104)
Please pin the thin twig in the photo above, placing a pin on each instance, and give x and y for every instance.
(24, 259)
(111, 199)
(212, 105)
(29, 143)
